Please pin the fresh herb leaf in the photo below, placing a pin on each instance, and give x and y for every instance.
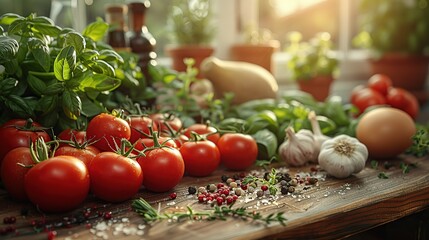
(406, 168)
(374, 164)
(149, 214)
(72, 104)
(420, 146)
(65, 63)
(96, 30)
(383, 175)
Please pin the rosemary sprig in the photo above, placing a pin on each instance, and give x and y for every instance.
(149, 214)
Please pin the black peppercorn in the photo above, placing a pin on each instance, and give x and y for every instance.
(192, 190)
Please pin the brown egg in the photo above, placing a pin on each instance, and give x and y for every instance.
(386, 132)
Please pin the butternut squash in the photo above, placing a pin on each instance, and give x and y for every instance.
(247, 81)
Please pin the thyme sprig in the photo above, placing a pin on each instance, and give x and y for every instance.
(149, 214)
(420, 146)
(271, 181)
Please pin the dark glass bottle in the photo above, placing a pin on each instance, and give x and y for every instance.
(115, 17)
(140, 39)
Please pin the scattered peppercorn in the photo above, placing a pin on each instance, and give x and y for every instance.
(107, 215)
(192, 190)
(52, 235)
(224, 178)
(9, 220)
(173, 195)
(284, 190)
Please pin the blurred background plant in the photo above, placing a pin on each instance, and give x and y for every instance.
(394, 26)
(312, 58)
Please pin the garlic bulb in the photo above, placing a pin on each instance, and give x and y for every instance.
(319, 138)
(342, 156)
(298, 148)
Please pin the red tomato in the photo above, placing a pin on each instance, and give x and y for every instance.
(237, 151)
(108, 131)
(180, 140)
(13, 174)
(161, 119)
(201, 158)
(380, 83)
(140, 127)
(85, 154)
(203, 129)
(367, 97)
(404, 100)
(18, 133)
(115, 178)
(58, 184)
(355, 91)
(163, 169)
(73, 135)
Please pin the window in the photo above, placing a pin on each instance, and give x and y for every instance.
(338, 17)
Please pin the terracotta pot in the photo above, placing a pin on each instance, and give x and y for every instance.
(406, 71)
(256, 54)
(319, 87)
(179, 53)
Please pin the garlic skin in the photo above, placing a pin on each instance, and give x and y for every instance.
(342, 156)
(319, 137)
(298, 148)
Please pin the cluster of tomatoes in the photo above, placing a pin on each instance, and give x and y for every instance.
(113, 158)
(379, 90)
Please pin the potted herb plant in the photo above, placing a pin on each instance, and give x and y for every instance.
(192, 32)
(312, 64)
(397, 35)
(258, 48)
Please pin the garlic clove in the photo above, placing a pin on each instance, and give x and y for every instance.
(319, 137)
(298, 148)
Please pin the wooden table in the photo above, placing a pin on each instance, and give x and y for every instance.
(331, 209)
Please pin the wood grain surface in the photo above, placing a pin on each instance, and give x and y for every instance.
(332, 209)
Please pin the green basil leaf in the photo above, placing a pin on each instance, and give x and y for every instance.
(234, 124)
(100, 66)
(40, 53)
(65, 63)
(90, 108)
(7, 86)
(22, 51)
(96, 30)
(43, 19)
(110, 55)
(300, 96)
(9, 18)
(263, 120)
(47, 29)
(50, 119)
(48, 104)
(8, 48)
(19, 106)
(89, 55)
(99, 82)
(267, 143)
(334, 109)
(37, 85)
(18, 26)
(54, 88)
(72, 105)
(76, 40)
